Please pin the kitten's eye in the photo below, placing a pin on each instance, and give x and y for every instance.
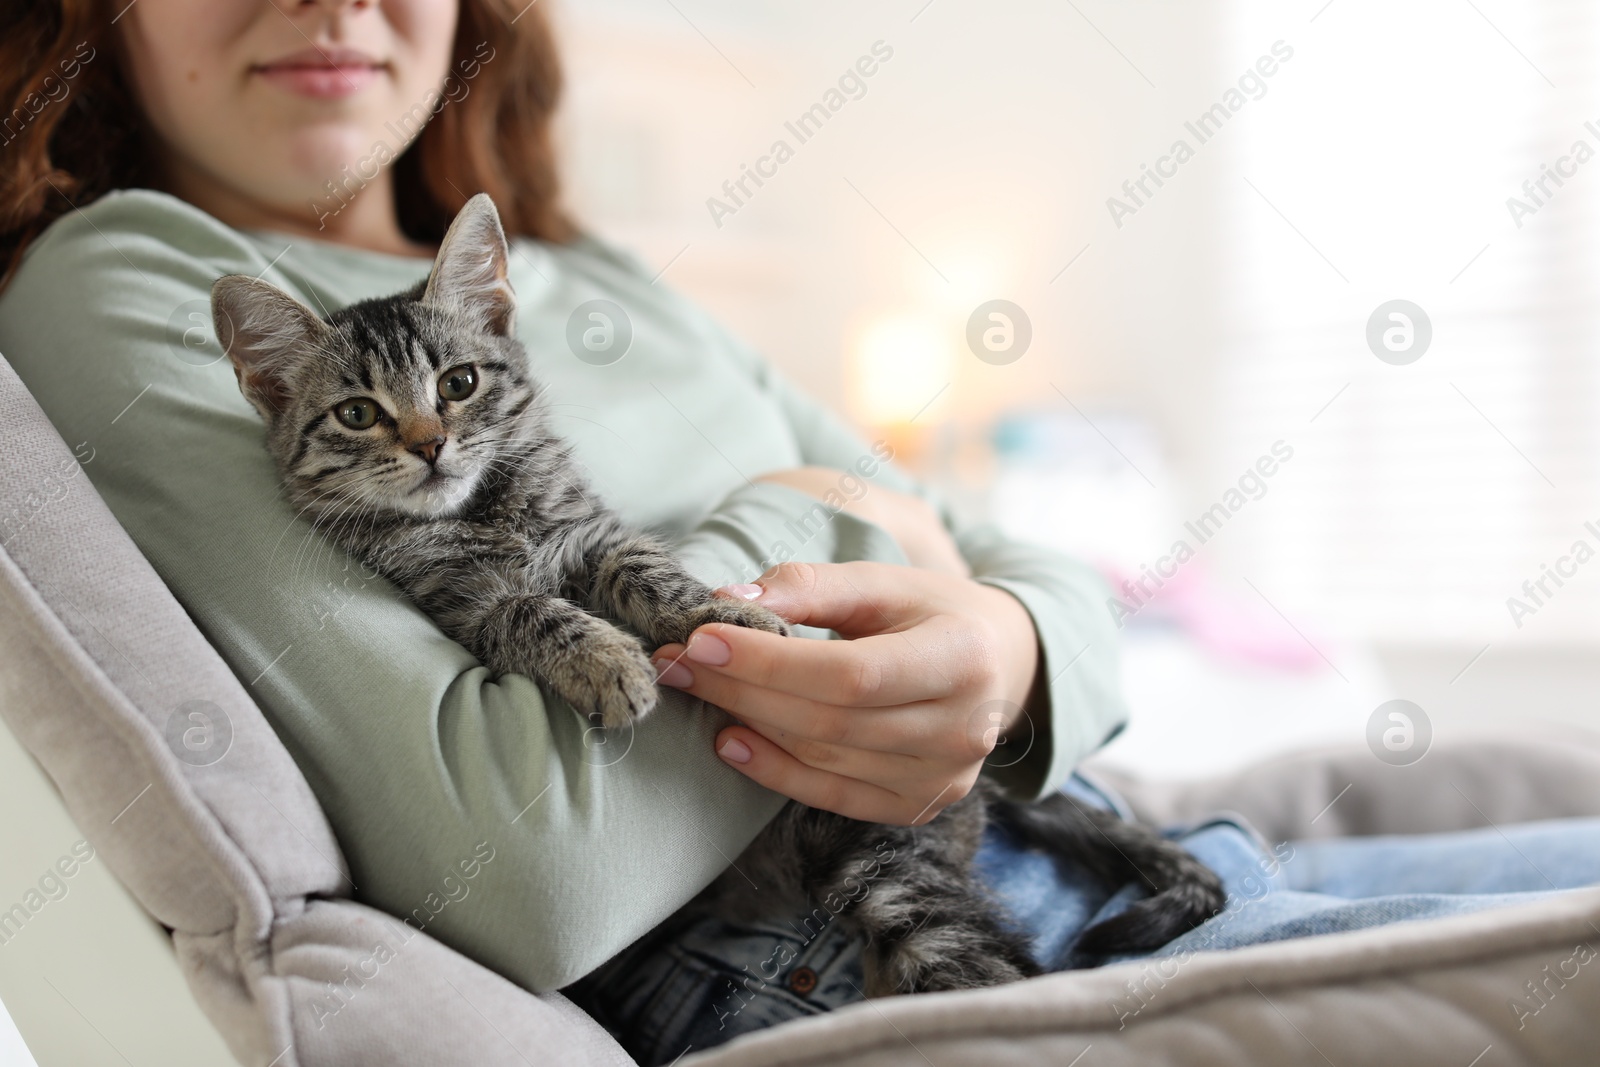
(358, 414)
(458, 383)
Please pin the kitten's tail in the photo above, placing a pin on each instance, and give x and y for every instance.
(1184, 891)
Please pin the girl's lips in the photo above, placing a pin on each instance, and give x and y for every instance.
(323, 75)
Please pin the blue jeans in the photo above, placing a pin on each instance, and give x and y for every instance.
(695, 986)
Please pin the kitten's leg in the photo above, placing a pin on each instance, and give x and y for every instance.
(928, 924)
(591, 664)
(1183, 891)
(936, 929)
(636, 579)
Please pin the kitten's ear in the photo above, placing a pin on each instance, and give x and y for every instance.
(469, 273)
(264, 331)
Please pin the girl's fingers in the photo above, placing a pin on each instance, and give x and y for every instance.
(903, 728)
(894, 771)
(853, 598)
(869, 672)
(768, 764)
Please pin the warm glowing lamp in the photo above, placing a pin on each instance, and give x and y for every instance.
(901, 370)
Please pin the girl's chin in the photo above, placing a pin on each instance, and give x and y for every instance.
(333, 161)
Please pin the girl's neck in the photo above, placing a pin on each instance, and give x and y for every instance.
(362, 218)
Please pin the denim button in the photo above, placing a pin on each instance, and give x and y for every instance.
(802, 980)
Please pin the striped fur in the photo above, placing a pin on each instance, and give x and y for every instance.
(496, 535)
(479, 512)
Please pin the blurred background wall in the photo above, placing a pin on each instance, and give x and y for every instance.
(1190, 331)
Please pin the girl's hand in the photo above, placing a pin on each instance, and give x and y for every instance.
(910, 520)
(891, 724)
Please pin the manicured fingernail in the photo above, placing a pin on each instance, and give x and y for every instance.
(743, 592)
(709, 649)
(673, 673)
(735, 750)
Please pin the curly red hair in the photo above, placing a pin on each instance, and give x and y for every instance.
(71, 131)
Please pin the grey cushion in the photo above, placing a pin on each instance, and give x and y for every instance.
(1342, 792)
(207, 820)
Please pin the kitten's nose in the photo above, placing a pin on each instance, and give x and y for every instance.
(428, 448)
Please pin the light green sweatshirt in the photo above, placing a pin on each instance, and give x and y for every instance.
(418, 755)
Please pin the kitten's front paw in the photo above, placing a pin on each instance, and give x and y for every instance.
(607, 676)
(734, 613)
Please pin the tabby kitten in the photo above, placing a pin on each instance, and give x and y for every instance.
(407, 429)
